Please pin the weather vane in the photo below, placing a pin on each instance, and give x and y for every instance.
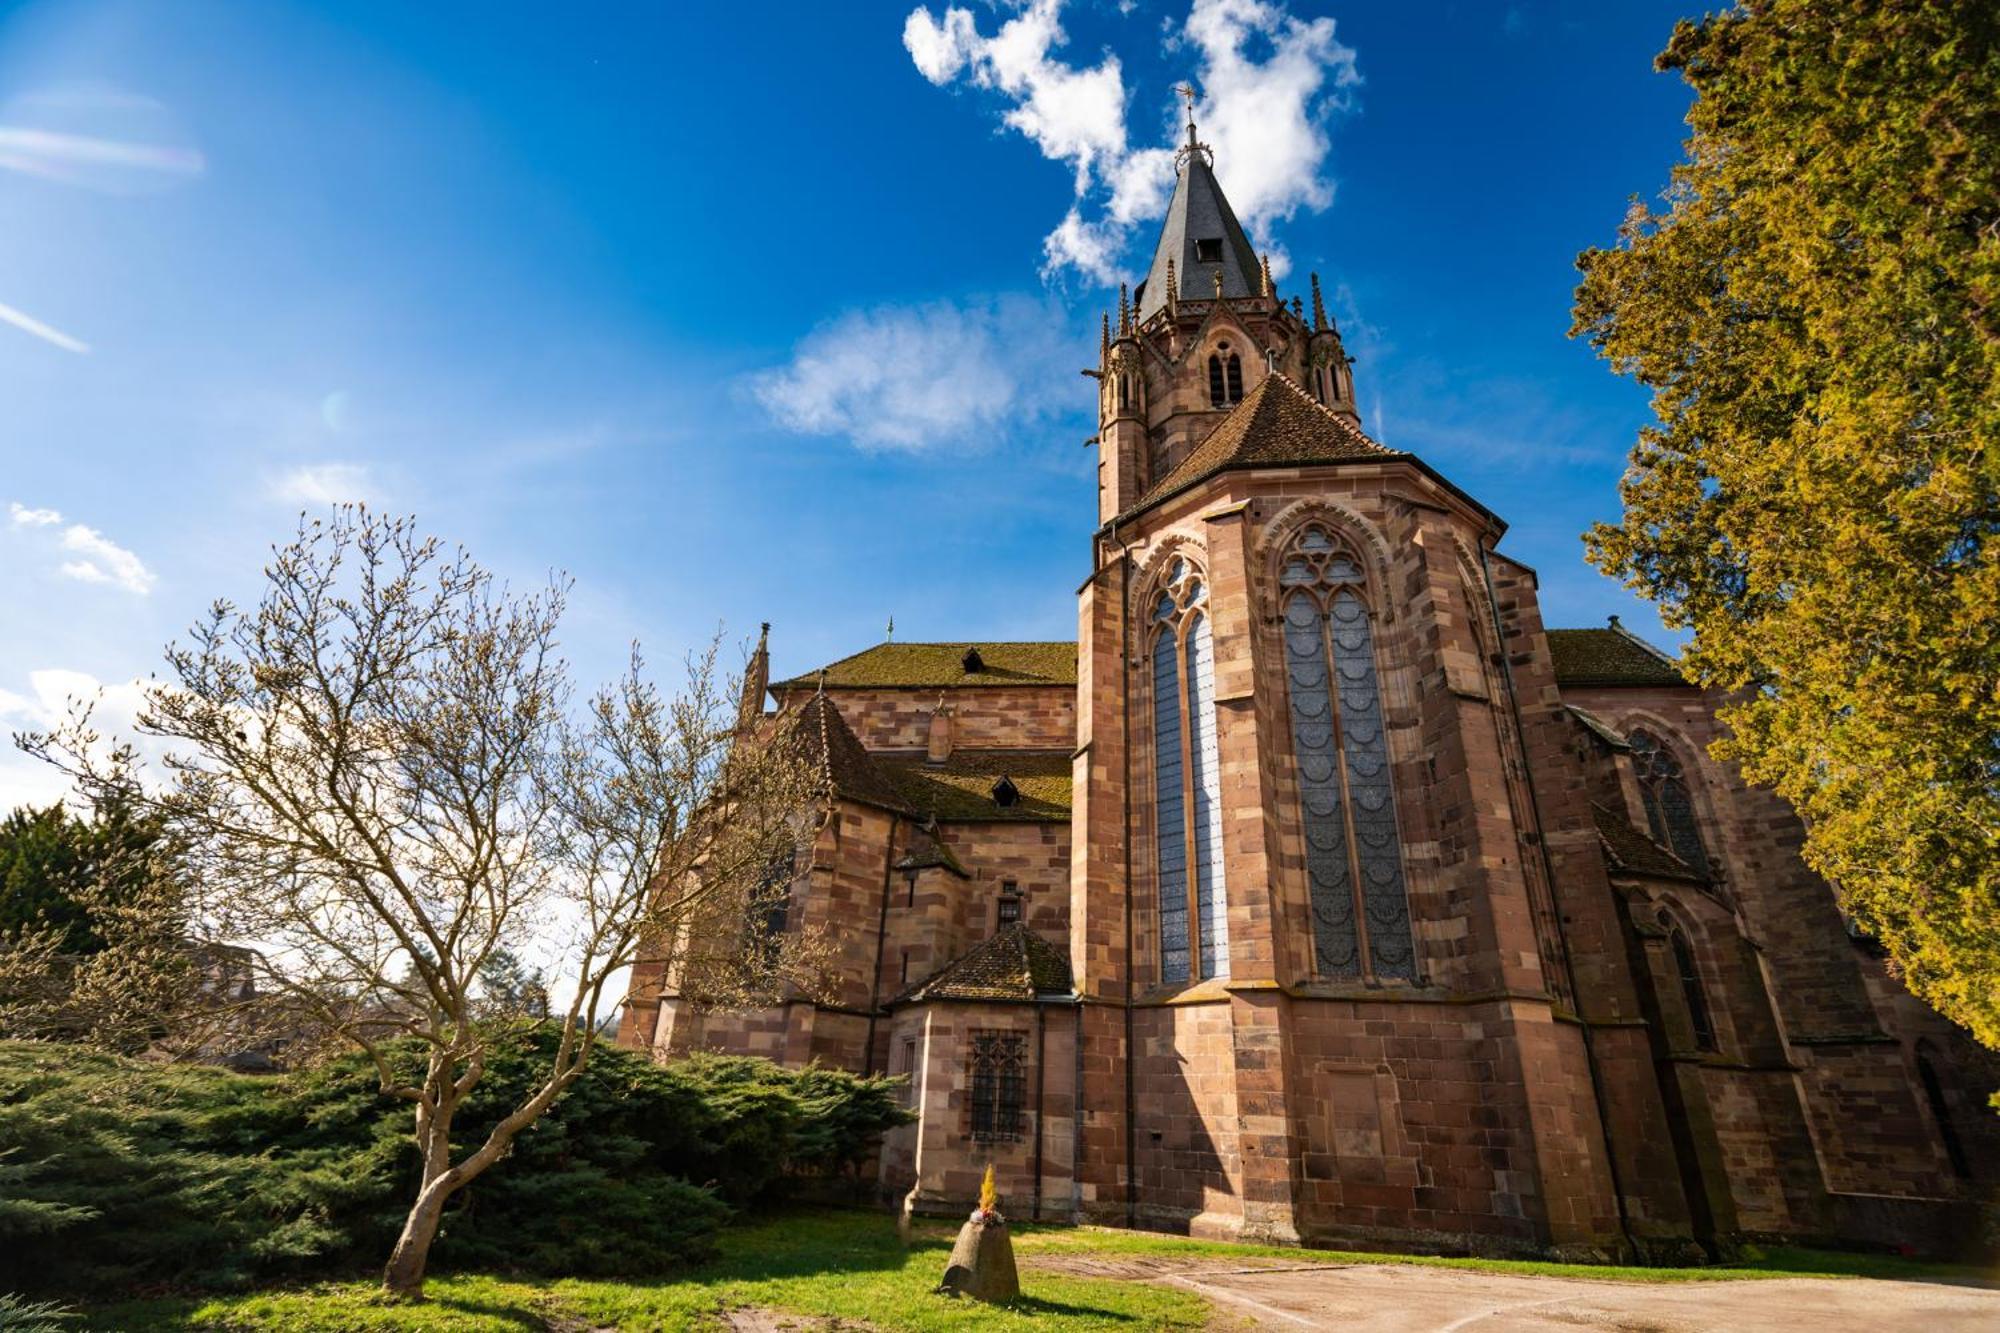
(1194, 145)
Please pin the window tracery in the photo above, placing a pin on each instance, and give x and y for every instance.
(1669, 805)
(1225, 377)
(1187, 784)
(1354, 865)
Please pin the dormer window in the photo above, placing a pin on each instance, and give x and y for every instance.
(1005, 793)
(1208, 250)
(973, 662)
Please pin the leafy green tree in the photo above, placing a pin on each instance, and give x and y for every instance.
(1816, 309)
(51, 860)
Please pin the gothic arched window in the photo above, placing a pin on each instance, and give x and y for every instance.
(1225, 377)
(1669, 806)
(1354, 861)
(1692, 991)
(1187, 786)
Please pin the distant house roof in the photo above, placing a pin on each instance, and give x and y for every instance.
(1629, 850)
(1278, 424)
(960, 790)
(1015, 964)
(1610, 656)
(934, 666)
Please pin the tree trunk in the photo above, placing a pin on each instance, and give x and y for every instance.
(403, 1277)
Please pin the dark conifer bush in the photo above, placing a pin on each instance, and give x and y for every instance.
(116, 1174)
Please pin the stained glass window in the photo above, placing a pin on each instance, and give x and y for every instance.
(1187, 784)
(1669, 806)
(1353, 855)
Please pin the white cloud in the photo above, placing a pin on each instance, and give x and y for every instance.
(1267, 84)
(26, 780)
(104, 561)
(922, 377)
(95, 558)
(323, 484)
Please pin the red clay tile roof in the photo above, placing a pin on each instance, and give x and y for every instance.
(1015, 964)
(934, 666)
(1612, 656)
(848, 769)
(1278, 424)
(960, 790)
(1629, 850)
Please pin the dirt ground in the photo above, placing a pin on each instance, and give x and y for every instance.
(1389, 1298)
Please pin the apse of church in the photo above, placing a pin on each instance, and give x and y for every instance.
(1317, 891)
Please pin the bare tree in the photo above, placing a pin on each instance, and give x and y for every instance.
(381, 781)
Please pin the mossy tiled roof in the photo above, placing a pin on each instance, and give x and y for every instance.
(1612, 656)
(960, 790)
(830, 745)
(1015, 964)
(1629, 850)
(942, 666)
(929, 852)
(1278, 424)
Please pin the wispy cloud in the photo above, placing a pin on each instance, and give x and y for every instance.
(324, 484)
(918, 378)
(104, 561)
(97, 137)
(34, 327)
(95, 557)
(32, 518)
(1268, 83)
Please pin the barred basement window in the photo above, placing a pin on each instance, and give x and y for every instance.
(1346, 799)
(1187, 784)
(1669, 807)
(999, 1084)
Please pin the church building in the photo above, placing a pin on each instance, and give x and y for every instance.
(1318, 892)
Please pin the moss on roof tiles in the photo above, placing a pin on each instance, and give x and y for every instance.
(942, 666)
(829, 744)
(1629, 850)
(960, 790)
(1613, 656)
(1015, 964)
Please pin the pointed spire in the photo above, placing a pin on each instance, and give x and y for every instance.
(1270, 288)
(1124, 310)
(1104, 338)
(1200, 234)
(756, 680)
(1319, 306)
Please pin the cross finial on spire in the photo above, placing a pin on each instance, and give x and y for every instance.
(1193, 145)
(1186, 90)
(891, 631)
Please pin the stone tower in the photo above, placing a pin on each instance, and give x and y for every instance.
(1306, 856)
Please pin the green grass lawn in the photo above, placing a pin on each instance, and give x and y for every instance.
(849, 1265)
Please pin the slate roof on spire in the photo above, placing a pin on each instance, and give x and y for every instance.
(1199, 212)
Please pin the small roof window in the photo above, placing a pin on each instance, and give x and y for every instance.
(1005, 793)
(972, 661)
(1208, 250)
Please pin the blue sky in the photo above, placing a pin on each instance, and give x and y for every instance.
(748, 312)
